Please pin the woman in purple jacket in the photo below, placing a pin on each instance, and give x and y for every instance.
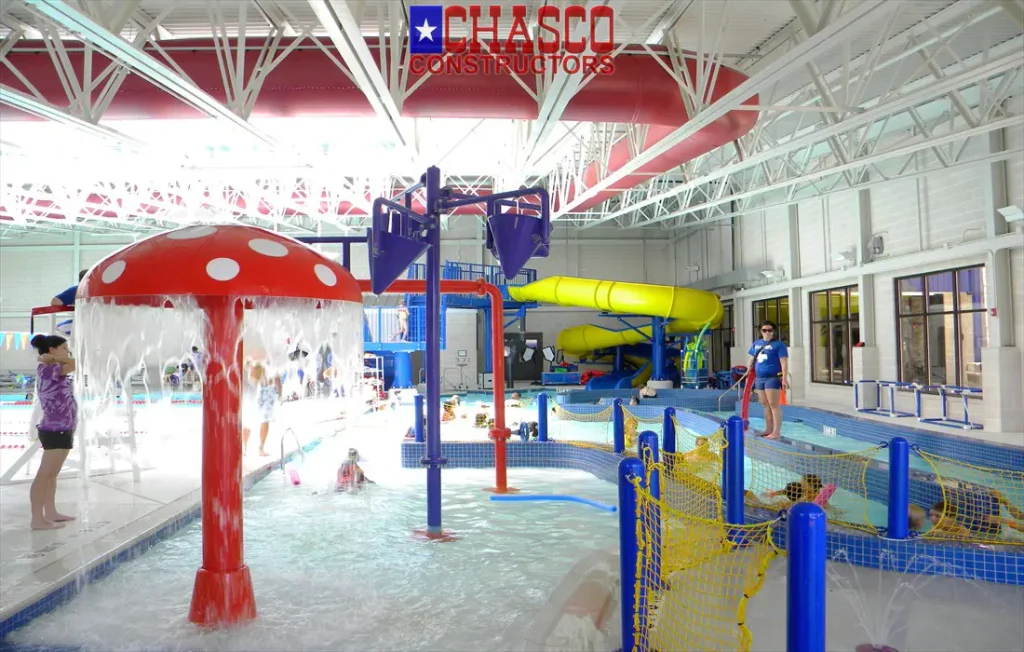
(56, 395)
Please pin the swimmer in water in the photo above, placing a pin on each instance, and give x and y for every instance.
(784, 499)
(350, 474)
(701, 451)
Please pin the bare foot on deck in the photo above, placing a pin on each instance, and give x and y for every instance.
(264, 454)
(57, 517)
(46, 525)
(773, 437)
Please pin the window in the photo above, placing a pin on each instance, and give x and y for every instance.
(942, 327)
(719, 348)
(776, 310)
(835, 328)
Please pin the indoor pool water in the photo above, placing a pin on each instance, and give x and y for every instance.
(343, 572)
(908, 612)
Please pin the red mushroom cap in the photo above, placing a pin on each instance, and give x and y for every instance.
(220, 260)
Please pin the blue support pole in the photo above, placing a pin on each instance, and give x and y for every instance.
(668, 436)
(648, 452)
(805, 608)
(618, 359)
(346, 255)
(433, 459)
(658, 348)
(629, 548)
(732, 471)
(542, 417)
(899, 488)
(417, 408)
(618, 427)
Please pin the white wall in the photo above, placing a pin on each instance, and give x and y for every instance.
(916, 217)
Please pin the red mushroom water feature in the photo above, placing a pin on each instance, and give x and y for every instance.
(221, 268)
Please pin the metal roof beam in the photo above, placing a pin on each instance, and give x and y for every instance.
(773, 72)
(1015, 9)
(40, 109)
(558, 92)
(142, 63)
(927, 92)
(337, 19)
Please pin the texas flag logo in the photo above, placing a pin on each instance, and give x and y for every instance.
(425, 29)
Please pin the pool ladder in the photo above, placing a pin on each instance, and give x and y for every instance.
(298, 446)
(726, 392)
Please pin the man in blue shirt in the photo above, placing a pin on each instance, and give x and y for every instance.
(67, 297)
(769, 359)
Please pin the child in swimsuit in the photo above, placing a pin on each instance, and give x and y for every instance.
(350, 474)
(268, 395)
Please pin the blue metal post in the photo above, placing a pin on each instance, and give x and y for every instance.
(668, 436)
(658, 348)
(417, 408)
(732, 471)
(346, 255)
(899, 488)
(433, 459)
(618, 359)
(542, 417)
(629, 548)
(648, 451)
(618, 427)
(805, 608)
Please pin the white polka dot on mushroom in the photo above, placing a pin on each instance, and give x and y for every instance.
(268, 247)
(113, 271)
(192, 232)
(325, 274)
(222, 269)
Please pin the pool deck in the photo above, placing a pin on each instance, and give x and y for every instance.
(114, 517)
(1015, 439)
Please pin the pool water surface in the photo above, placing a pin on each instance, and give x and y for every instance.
(342, 572)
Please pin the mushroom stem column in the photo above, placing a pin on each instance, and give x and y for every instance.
(223, 589)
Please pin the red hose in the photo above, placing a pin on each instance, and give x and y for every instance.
(745, 405)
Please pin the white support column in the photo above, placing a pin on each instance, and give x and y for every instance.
(1001, 361)
(797, 351)
(866, 363)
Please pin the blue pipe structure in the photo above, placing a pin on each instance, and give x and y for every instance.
(417, 408)
(618, 359)
(658, 348)
(647, 444)
(433, 459)
(805, 579)
(668, 436)
(618, 427)
(899, 489)
(400, 235)
(732, 471)
(629, 549)
(523, 498)
(542, 417)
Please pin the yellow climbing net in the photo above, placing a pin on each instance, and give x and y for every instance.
(589, 427)
(979, 504)
(779, 478)
(695, 573)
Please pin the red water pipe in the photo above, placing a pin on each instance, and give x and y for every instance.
(499, 434)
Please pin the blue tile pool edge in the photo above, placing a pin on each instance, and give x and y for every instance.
(102, 566)
(907, 556)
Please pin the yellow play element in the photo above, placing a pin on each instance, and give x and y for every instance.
(688, 309)
(706, 576)
(979, 504)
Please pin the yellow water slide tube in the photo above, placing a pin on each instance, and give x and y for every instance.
(688, 309)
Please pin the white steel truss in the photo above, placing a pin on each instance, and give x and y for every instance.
(850, 94)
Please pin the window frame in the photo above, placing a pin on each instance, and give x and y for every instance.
(725, 337)
(848, 320)
(955, 314)
(784, 327)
